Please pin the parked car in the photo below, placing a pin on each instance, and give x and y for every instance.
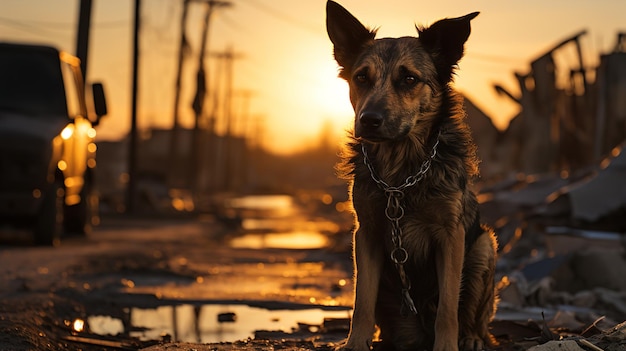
(47, 149)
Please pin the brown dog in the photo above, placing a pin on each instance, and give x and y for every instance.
(424, 265)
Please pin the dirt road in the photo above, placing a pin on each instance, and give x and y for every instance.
(206, 284)
(161, 280)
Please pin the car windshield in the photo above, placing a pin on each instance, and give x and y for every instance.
(31, 82)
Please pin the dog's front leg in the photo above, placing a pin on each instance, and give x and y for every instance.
(449, 263)
(368, 263)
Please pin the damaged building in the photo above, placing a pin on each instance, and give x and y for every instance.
(564, 124)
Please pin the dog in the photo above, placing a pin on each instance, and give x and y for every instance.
(424, 265)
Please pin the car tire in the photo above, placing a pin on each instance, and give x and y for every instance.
(49, 224)
(79, 217)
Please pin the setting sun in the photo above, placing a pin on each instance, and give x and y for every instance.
(314, 97)
(333, 93)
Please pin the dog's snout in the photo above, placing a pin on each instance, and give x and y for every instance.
(371, 120)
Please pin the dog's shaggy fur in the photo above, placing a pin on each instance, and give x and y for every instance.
(404, 105)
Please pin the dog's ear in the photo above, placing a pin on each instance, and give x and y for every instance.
(347, 34)
(445, 40)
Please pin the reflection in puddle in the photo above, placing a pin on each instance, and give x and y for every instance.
(105, 325)
(286, 224)
(293, 240)
(277, 222)
(260, 205)
(188, 323)
(261, 202)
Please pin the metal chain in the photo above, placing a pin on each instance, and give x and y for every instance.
(410, 180)
(394, 213)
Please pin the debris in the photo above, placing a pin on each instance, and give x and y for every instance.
(613, 339)
(562, 345)
(123, 345)
(593, 268)
(584, 298)
(615, 300)
(336, 325)
(227, 317)
(602, 194)
(589, 345)
(617, 334)
(565, 320)
(564, 240)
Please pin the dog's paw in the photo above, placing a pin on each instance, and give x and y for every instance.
(343, 348)
(351, 346)
(472, 343)
(446, 345)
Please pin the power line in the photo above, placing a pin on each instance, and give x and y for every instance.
(52, 25)
(29, 28)
(228, 21)
(505, 60)
(283, 17)
(34, 23)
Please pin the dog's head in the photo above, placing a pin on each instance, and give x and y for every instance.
(395, 83)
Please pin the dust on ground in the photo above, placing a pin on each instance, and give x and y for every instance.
(128, 266)
(170, 270)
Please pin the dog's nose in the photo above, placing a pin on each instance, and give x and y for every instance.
(371, 120)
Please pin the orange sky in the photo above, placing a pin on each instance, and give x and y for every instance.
(285, 59)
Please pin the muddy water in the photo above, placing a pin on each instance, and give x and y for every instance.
(273, 257)
(291, 240)
(209, 323)
(275, 221)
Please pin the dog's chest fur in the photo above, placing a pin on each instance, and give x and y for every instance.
(440, 200)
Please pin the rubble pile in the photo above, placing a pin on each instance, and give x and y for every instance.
(562, 266)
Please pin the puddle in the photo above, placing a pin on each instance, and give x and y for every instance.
(277, 222)
(261, 205)
(286, 224)
(105, 325)
(274, 221)
(292, 240)
(261, 202)
(208, 323)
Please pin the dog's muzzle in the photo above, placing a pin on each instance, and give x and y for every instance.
(368, 124)
(371, 120)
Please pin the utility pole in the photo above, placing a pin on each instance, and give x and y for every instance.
(244, 120)
(228, 97)
(228, 56)
(131, 195)
(82, 35)
(241, 128)
(175, 136)
(213, 159)
(198, 102)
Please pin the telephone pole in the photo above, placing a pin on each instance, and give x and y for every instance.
(199, 98)
(131, 195)
(174, 173)
(82, 35)
(228, 56)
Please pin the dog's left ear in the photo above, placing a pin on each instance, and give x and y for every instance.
(445, 40)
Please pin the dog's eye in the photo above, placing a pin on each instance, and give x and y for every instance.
(361, 78)
(410, 80)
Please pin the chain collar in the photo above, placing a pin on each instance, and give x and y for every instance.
(394, 212)
(410, 180)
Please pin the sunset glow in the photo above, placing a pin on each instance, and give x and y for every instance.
(284, 58)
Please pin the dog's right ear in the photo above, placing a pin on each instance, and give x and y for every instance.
(347, 34)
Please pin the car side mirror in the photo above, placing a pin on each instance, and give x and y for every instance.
(99, 101)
